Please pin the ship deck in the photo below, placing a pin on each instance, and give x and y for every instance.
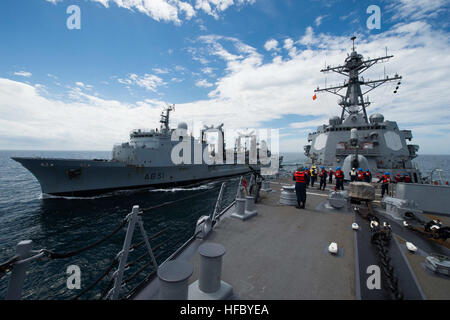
(281, 254)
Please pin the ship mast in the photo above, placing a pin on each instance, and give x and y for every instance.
(353, 101)
(165, 118)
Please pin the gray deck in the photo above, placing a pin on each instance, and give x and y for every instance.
(282, 252)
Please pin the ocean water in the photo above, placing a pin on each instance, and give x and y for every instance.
(65, 224)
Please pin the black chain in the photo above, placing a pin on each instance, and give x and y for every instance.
(380, 237)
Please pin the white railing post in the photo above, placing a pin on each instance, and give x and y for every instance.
(19, 270)
(132, 219)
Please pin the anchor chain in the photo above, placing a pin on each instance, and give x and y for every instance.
(381, 236)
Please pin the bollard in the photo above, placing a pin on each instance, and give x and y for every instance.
(19, 270)
(266, 186)
(245, 208)
(210, 266)
(288, 196)
(209, 286)
(249, 204)
(240, 206)
(173, 278)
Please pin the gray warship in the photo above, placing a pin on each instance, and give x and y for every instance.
(142, 162)
(354, 140)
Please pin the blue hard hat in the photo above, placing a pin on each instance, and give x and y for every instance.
(406, 174)
(387, 173)
(360, 169)
(338, 168)
(323, 167)
(367, 170)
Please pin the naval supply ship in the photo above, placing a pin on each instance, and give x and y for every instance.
(142, 162)
(354, 140)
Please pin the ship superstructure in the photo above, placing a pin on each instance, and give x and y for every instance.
(354, 139)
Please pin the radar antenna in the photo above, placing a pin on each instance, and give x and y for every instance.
(353, 101)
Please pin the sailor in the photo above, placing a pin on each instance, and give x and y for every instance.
(330, 176)
(313, 175)
(368, 176)
(300, 187)
(307, 177)
(407, 178)
(339, 174)
(353, 175)
(398, 178)
(323, 174)
(360, 174)
(385, 180)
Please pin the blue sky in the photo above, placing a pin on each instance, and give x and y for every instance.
(247, 63)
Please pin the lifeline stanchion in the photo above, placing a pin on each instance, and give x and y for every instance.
(19, 269)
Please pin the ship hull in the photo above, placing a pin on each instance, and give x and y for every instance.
(79, 177)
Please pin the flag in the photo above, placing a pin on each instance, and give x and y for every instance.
(314, 97)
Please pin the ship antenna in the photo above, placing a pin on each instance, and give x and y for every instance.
(353, 102)
(353, 39)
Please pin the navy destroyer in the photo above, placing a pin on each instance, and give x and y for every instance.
(145, 161)
(354, 140)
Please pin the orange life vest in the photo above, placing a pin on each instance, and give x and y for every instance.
(299, 176)
(338, 174)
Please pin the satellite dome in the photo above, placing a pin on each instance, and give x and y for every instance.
(376, 118)
(182, 125)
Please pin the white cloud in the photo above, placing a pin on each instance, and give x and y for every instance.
(174, 10)
(271, 44)
(418, 9)
(53, 1)
(208, 70)
(308, 37)
(23, 74)
(161, 70)
(148, 81)
(203, 84)
(214, 7)
(53, 124)
(288, 44)
(318, 20)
